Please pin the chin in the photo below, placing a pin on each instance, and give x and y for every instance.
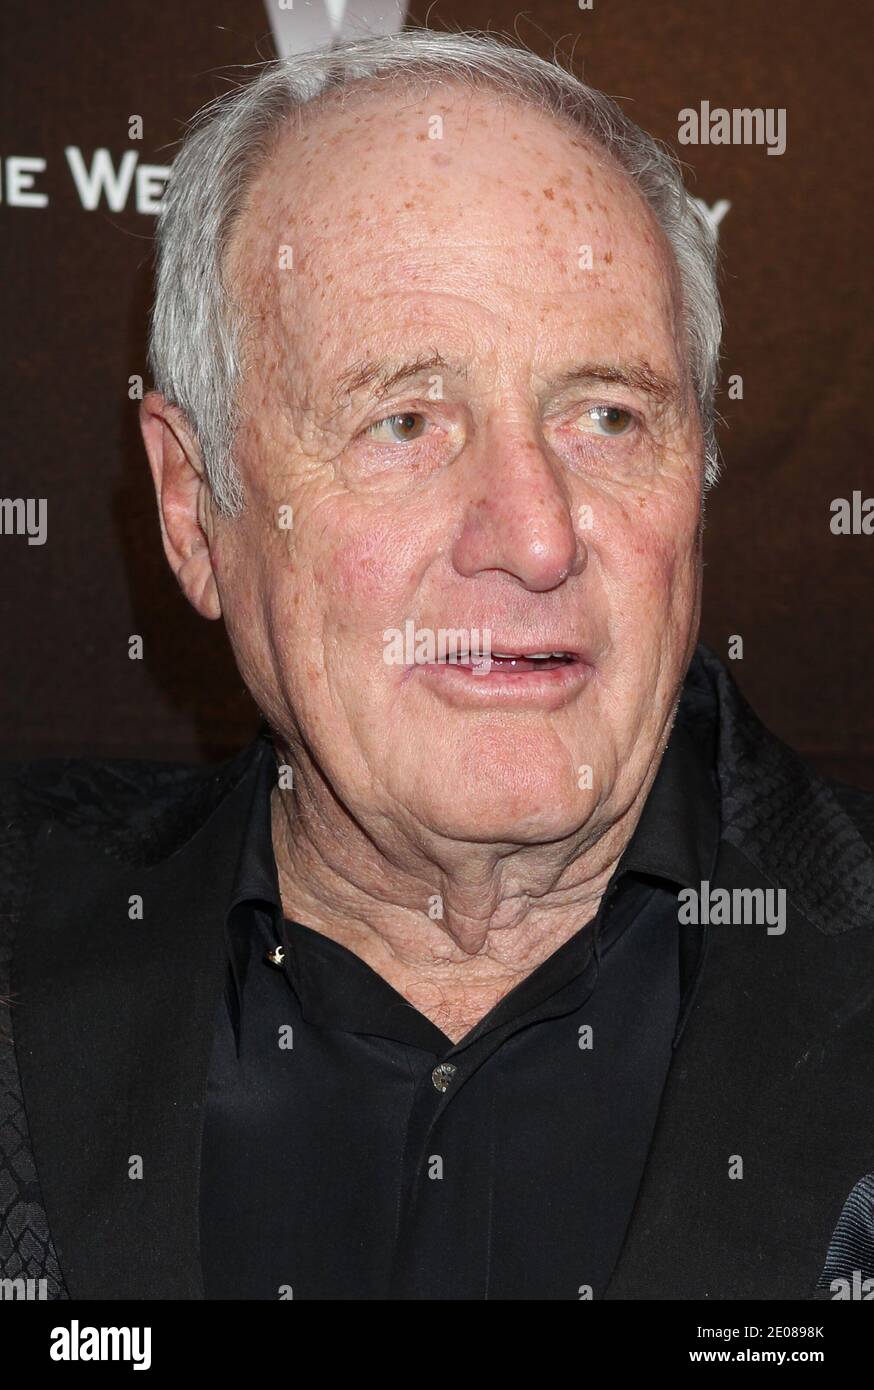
(488, 815)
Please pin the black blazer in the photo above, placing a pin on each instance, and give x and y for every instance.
(105, 1048)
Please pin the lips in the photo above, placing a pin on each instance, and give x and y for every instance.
(509, 677)
(521, 662)
(518, 662)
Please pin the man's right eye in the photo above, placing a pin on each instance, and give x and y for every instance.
(405, 424)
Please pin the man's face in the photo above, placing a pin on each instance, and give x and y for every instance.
(504, 487)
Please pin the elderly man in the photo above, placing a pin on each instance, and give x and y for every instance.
(515, 959)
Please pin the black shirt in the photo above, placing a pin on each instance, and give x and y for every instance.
(353, 1151)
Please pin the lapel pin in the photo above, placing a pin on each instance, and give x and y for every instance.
(276, 956)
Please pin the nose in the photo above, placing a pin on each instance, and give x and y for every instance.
(518, 514)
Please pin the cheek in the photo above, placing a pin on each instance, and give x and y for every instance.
(658, 570)
(370, 566)
(348, 580)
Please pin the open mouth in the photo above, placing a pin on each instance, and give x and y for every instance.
(498, 675)
(516, 663)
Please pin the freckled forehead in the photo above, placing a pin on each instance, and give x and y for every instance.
(370, 203)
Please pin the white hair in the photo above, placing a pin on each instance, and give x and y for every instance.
(195, 337)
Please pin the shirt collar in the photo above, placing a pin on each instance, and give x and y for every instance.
(677, 834)
(675, 840)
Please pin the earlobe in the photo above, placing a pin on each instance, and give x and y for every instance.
(180, 480)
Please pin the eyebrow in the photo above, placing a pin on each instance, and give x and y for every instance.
(637, 376)
(381, 377)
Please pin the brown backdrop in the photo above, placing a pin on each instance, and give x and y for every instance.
(797, 290)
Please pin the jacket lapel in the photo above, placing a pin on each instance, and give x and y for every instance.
(113, 1027)
(778, 1026)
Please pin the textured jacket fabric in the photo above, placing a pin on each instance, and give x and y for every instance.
(759, 1178)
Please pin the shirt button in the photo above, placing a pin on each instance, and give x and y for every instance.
(442, 1075)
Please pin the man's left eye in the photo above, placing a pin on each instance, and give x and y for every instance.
(606, 420)
(401, 428)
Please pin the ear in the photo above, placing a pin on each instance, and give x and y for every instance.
(184, 501)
